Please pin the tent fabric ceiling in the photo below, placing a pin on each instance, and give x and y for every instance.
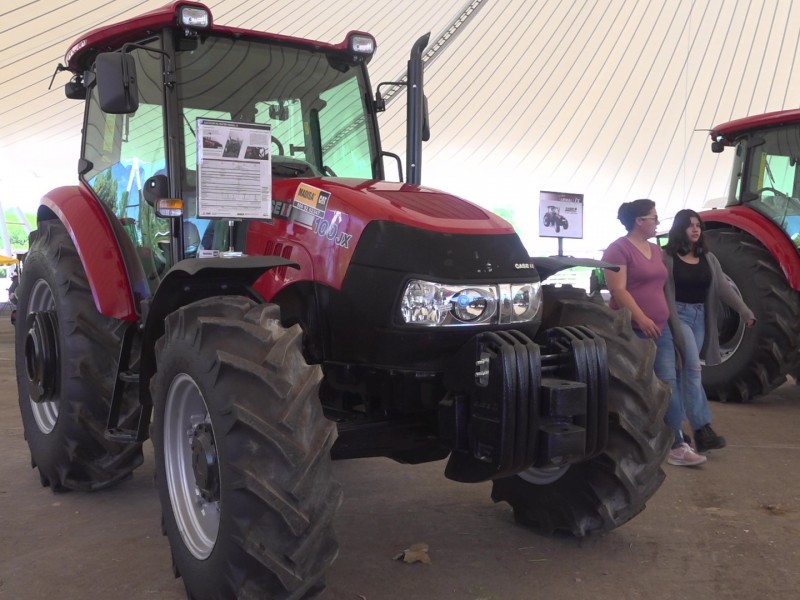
(611, 99)
(37, 33)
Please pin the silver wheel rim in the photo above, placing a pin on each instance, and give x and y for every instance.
(543, 476)
(729, 346)
(44, 413)
(197, 519)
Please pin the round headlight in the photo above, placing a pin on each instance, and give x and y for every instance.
(525, 302)
(468, 305)
(521, 301)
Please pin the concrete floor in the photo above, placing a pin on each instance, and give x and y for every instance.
(727, 530)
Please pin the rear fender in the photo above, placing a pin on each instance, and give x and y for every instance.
(769, 235)
(117, 284)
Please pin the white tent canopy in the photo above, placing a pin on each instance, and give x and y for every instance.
(609, 99)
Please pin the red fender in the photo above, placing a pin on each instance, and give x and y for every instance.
(98, 248)
(765, 231)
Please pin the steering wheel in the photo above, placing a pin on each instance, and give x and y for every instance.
(773, 190)
(277, 142)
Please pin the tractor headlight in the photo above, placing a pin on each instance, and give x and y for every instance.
(431, 304)
(526, 300)
(472, 306)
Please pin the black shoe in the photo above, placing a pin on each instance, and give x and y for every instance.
(687, 438)
(706, 439)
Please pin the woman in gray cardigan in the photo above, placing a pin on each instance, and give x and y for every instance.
(694, 288)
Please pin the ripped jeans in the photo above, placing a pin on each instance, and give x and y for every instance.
(665, 369)
(693, 396)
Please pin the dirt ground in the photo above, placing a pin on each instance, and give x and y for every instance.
(727, 530)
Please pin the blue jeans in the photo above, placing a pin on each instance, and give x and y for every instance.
(666, 370)
(695, 401)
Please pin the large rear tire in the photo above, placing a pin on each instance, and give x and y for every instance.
(242, 454)
(756, 360)
(608, 490)
(66, 359)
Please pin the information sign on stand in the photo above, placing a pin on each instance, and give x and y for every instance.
(560, 216)
(234, 170)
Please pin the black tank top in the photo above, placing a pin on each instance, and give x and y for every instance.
(691, 281)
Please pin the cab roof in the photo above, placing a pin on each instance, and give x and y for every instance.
(728, 132)
(108, 38)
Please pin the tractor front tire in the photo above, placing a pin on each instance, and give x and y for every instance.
(755, 360)
(66, 358)
(604, 492)
(242, 452)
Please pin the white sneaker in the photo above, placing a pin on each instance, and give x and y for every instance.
(684, 456)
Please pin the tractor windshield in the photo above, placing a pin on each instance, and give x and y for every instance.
(772, 183)
(314, 103)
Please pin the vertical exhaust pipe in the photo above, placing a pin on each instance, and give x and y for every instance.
(415, 116)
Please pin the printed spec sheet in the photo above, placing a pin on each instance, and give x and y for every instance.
(234, 170)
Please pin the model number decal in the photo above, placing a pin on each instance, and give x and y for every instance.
(326, 229)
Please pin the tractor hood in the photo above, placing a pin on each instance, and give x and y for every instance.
(329, 225)
(412, 205)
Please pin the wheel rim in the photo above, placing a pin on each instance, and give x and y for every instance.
(543, 476)
(731, 327)
(187, 433)
(45, 413)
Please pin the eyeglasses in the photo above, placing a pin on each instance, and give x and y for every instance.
(650, 219)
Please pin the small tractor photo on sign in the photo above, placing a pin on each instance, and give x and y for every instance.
(553, 218)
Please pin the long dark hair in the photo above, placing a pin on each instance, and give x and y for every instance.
(678, 242)
(629, 211)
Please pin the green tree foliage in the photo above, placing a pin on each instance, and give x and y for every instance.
(16, 229)
(106, 189)
(507, 213)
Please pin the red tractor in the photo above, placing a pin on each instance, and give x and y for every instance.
(553, 218)
(756, 237)
(260, 316)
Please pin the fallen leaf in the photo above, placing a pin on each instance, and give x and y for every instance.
(415, 553)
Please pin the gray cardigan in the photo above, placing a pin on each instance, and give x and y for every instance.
(719, 289)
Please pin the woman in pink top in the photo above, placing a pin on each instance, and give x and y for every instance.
(639, 287)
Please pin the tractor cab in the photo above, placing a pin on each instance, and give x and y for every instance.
(766, 169)
(302, 107)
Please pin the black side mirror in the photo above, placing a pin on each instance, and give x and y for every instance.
(116, 83)
(156, 187)
(75, 90)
